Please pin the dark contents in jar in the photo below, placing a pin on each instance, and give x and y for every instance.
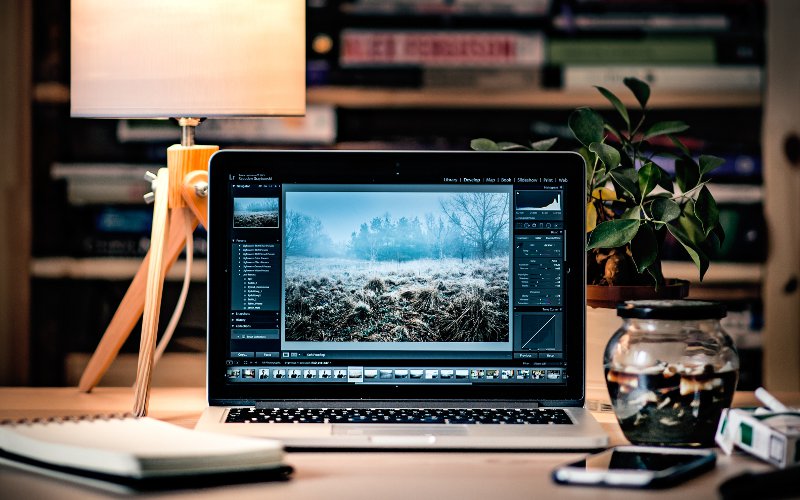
(670, 407)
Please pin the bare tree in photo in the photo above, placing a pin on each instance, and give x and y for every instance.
(482, 217)
(300, 233)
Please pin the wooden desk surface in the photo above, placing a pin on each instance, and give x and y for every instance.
(351, 475)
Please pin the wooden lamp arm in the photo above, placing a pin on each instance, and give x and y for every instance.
(195, 194)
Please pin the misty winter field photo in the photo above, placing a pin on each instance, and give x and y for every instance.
(397, 267)
(255, 212)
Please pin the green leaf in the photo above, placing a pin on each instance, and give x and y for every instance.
(655, 272)
(665, 128)
(665, 180)
(614, 100)
(709, 163)
(607, 154)
(586, 125)
(644, 248)
(698, 256)
(512, 146)
(678, 144)
(640, 90)
(544, 144)
(628, 180)
(614, 132)
(706, 211)
(649, 177)
(687, 174)
(632, 213)
(719, 233)
(613, 233)
(484, 145)
(665, 210)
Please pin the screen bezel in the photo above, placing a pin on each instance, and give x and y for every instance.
(376, 166)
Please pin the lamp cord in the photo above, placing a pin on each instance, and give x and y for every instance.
(187, 277)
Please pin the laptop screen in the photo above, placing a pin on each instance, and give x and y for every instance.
(396, 274)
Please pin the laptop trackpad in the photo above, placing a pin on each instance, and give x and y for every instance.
(399, 430)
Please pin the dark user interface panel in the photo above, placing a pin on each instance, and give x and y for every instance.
(459, 281)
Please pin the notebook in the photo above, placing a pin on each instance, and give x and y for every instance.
(135, 453)
(398, 299)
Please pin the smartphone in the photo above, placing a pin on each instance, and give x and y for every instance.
(637, 467)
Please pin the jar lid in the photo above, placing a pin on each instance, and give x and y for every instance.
(671, 309)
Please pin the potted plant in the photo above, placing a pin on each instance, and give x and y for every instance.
(632, 203)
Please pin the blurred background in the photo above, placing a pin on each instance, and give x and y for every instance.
(73, 227)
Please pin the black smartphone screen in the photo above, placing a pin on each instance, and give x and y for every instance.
(636, 460)
(636, 467)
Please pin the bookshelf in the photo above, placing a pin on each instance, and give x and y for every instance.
(369, 114)
(386, 97)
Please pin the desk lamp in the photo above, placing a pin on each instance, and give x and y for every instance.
(188, 60)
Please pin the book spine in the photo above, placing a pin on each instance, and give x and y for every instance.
(648, 50)
(653, 22)
(735, 166)
(448, 7)
(482, 78)
(666, 77)
(440, 48)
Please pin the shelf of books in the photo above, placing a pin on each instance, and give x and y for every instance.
(419, 74)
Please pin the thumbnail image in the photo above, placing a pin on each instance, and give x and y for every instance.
(249, 373)
(279, 373)
(255, 212)
(263, 373)
(234, 373)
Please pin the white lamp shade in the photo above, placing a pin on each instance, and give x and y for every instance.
(187, 58)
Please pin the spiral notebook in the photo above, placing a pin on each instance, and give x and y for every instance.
(137, 453)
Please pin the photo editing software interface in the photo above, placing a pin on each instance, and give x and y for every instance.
(457, 282)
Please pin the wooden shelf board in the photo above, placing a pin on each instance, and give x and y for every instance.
(719, 273)
(105, 268)
(51, 93)
(368, 97)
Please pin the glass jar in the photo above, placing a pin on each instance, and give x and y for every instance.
(670, 370)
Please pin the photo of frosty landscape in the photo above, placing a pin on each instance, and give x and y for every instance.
(397, 266)
(255, 212)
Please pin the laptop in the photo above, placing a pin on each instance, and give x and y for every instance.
(398, 299)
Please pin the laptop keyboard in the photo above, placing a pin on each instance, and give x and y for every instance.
(537, 416)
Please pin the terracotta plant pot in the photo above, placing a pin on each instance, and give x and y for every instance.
(609, 296)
